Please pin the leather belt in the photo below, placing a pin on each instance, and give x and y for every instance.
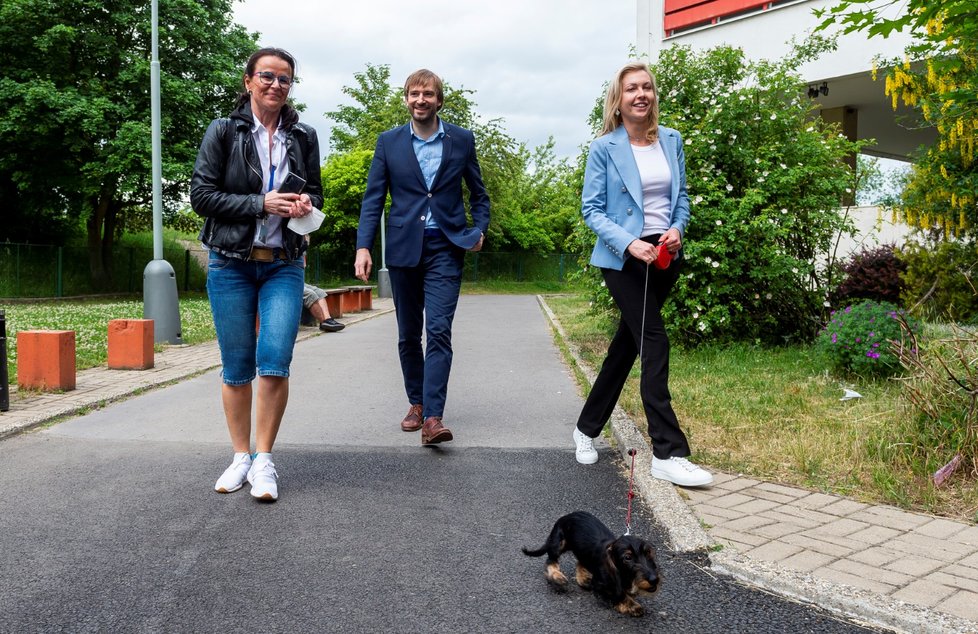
(264, 254)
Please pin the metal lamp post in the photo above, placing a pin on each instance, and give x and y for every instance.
(160, 301)
(383, 276)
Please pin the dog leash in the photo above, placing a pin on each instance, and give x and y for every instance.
(641, 348)
(631, 478)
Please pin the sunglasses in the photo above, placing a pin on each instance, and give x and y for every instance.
(267, 78)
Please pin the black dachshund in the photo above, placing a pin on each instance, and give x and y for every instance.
(615, 569)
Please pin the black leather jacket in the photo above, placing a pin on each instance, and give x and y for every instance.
(227, 187)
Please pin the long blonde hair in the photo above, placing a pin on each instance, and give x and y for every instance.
(612, 101)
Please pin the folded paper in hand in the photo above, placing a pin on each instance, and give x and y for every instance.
(307, 223)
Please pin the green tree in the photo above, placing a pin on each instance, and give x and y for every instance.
(75, 107)
(939, 76)
(765, 179)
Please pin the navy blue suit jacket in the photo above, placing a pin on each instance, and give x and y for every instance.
(395, 169)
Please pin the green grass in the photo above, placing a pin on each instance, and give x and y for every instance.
(775, 414)
(90, 321)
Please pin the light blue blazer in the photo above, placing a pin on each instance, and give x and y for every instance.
(611, 200)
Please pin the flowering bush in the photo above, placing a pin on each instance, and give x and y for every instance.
(857, 338)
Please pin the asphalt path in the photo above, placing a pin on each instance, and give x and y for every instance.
(108, 521)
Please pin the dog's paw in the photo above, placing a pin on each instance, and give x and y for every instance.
(556, 579)
(630, 607)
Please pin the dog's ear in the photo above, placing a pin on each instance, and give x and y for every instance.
(613, 574)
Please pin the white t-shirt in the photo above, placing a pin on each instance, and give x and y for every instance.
(656, 187)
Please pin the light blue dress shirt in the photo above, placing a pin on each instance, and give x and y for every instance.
(429, 152)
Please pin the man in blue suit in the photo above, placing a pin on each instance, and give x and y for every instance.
(422, 164)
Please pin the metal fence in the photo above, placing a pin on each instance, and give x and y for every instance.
(31, 270)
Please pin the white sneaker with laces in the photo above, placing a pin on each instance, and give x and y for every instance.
(263, 478)
(586, 453)
(234, 476)
(680, 471)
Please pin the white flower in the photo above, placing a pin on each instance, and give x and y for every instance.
(760, 179)
(783, 166)
(729, 188)
(794, 270)
(767, 296)
(707, 259)
(757, 295)
(848, 191)
(689, 141)
(757, 161)
(717, 131)
(696, 315)
(809, 128)
(742, 97)
(716, 265)
(783, 210)
(719, 223)
(701, 326)
(713, 147)
(765, 173)
(602, 284)
(773, 117)
(697, 200)
(827, 304)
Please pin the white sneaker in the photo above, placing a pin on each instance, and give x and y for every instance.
(586, 453)
(263, 478)
(680, 471)
(234, 476)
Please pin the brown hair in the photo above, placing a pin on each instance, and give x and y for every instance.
(423, 77)
(289, 115)
(612, 101)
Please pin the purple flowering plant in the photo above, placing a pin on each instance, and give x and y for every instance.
(856, 339)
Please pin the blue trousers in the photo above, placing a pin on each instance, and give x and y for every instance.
(425, 298)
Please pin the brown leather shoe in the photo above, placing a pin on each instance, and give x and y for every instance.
(433, 432)
(412, 421)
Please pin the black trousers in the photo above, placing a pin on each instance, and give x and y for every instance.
(628, 289)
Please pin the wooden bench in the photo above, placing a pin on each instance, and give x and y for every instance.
(46, 359)
(364, 295)
(335, 302)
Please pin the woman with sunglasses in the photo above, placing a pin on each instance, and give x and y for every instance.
(256, 170)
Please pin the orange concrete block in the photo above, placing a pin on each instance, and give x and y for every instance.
(350, 301)
(334, 301)
(46, 359)
(131, 344)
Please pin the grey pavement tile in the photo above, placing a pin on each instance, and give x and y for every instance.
(873, 573)
(756, 506)
(781, 489)
(877, 556)
(730, 500)
(807, 561)
(971, 561)
(923, 592)
(722, 533)
(968, 536)
(773, 551)
(963, 604)
(955, 581)
(834, 548)
(748, 523)
(843, 507)
(817, 501)
(839, 528)
(777, 530)
(771, 496)
(789, 515)
(889, 516)
(875, 535)
(736, 484)
(944, 550)
(838, 576)
(718, 511)
(914, 566)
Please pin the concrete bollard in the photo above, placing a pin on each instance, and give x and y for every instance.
(46, 359)
(131, 344)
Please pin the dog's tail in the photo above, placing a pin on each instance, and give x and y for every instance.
(534, 553)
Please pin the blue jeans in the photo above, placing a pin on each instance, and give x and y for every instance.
(240, 290)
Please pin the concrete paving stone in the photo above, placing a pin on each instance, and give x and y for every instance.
(781, 489)
(889, 516)
(874, 573)
(923, 592)
(839, 528)
(838, 576)
(963, 604)
(968, 536)
(771, 496)
(736, 484)
(718, 511)
(877, 556)
(835, 549)
(710, 521)
(773, 551)
(791, 515)
(967, 577)
(947, 579)
(948, 551)
(914, 566)
(720, 477)
(697, 496)
(756, 506)
(971, 561)
(807, 561)
(777, 530)
(748, 523)
(843, 507)
(730, 500)
(875, 535)
(721, 532)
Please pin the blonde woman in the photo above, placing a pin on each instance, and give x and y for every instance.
(634, 198)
